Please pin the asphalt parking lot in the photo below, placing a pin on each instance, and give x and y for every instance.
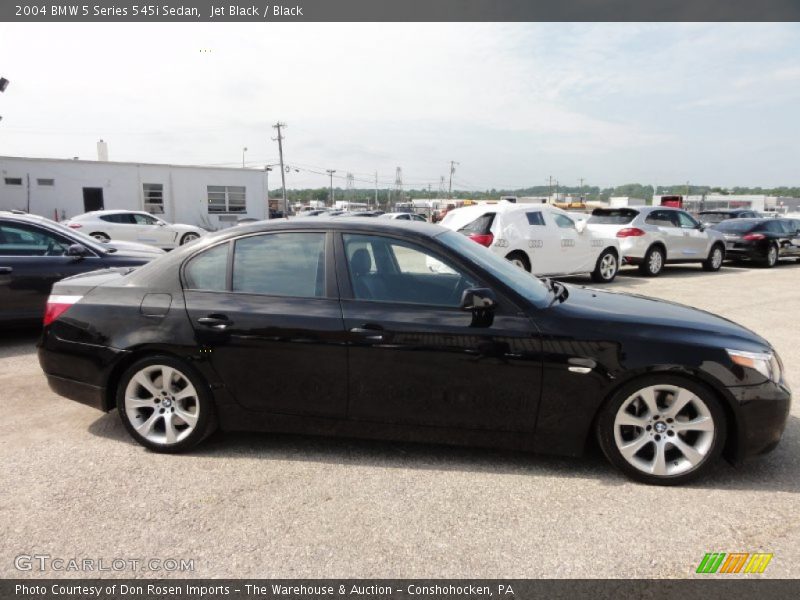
(72, 484)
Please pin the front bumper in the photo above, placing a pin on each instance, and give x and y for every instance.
(763, 413)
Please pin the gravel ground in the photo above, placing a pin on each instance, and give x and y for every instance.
(72, 484)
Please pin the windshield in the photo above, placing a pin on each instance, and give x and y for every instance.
(736, 225)
(612, 216)
(714, 217)
(522, 282)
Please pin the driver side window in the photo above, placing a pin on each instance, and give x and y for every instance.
(22, 240)
(390, 270)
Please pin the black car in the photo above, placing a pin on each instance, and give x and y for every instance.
(761, 240)
(221, 333)
(712, 217)
(36, 252)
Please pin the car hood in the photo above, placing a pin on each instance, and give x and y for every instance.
(133, 249)
(640, 316)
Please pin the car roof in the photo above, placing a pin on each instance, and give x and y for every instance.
(342, 223)
(725, 211)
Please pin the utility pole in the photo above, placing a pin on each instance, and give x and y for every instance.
(331, 172)
(450, 186)
(376, 189)
(398, 184)
(549, 188)
(243, 151)
(581, 192)
(278, 126)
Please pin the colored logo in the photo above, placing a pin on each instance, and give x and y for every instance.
(734, 562)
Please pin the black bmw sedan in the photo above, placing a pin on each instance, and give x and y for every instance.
(36, 252)
(342, 327)
(764, 241)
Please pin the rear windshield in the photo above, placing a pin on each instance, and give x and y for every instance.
(480, 226)
(612, 216)
(736, 225)
(714, 217)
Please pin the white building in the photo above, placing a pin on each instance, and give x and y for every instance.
(210, 197)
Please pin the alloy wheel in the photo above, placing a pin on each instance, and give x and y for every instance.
(608, 266)
(772, 256)
(716, 258)
(161, 404)
(664, 430)
(656, 262)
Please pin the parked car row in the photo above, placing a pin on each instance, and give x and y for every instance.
(547, 241)
(220, 334)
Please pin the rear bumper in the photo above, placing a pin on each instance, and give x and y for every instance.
(79, 391)
(747, 252)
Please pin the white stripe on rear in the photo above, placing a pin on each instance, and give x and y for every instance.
(54, 299)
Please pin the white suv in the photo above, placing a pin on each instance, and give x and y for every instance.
(652, 236)
(542, 239)
(134, 226)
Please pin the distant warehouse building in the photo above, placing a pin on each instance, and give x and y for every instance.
(210, 197)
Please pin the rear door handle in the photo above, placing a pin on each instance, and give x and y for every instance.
(369, 332)
(215, 321)
(6, 270)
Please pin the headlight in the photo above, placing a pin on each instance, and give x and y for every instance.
(766, 363)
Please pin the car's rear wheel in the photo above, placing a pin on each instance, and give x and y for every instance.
(653, 262)
(165, 405)
(606, 268)
(189, 237)
(520, 259)
(663, 429)
(715, 258)
(771, 259)
(100, 236)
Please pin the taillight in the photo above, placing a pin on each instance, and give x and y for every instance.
(754, 237)
(74, 225)
(484, 239)
(57, 306)
(630, 232)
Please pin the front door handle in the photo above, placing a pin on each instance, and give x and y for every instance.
(215, 321)
(6, 270)
(369, 332)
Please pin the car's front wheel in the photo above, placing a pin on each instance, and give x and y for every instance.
(771, 259)
(189, 237)
(165, 405)
(606, 268)
(715, 258)
(663, 429)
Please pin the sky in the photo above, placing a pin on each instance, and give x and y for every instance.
(513, 104)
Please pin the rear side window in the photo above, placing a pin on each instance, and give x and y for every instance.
(612, 216)
(662, 218)
(482, 225)
(208, 270)
(122, 219)
(713, 217)
(772, 227)
(535, 218)
(280, 264)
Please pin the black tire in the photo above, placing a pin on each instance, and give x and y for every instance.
(651, 267)
(521, 259)
(601, 273)
(714, 262)
(683, 470)
(206, 421)
(189, 237)
(100, 236)
(771, 259)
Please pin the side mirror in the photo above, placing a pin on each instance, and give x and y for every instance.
(161, 223)
(77, 250)
(474, 299)
(580, 226)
